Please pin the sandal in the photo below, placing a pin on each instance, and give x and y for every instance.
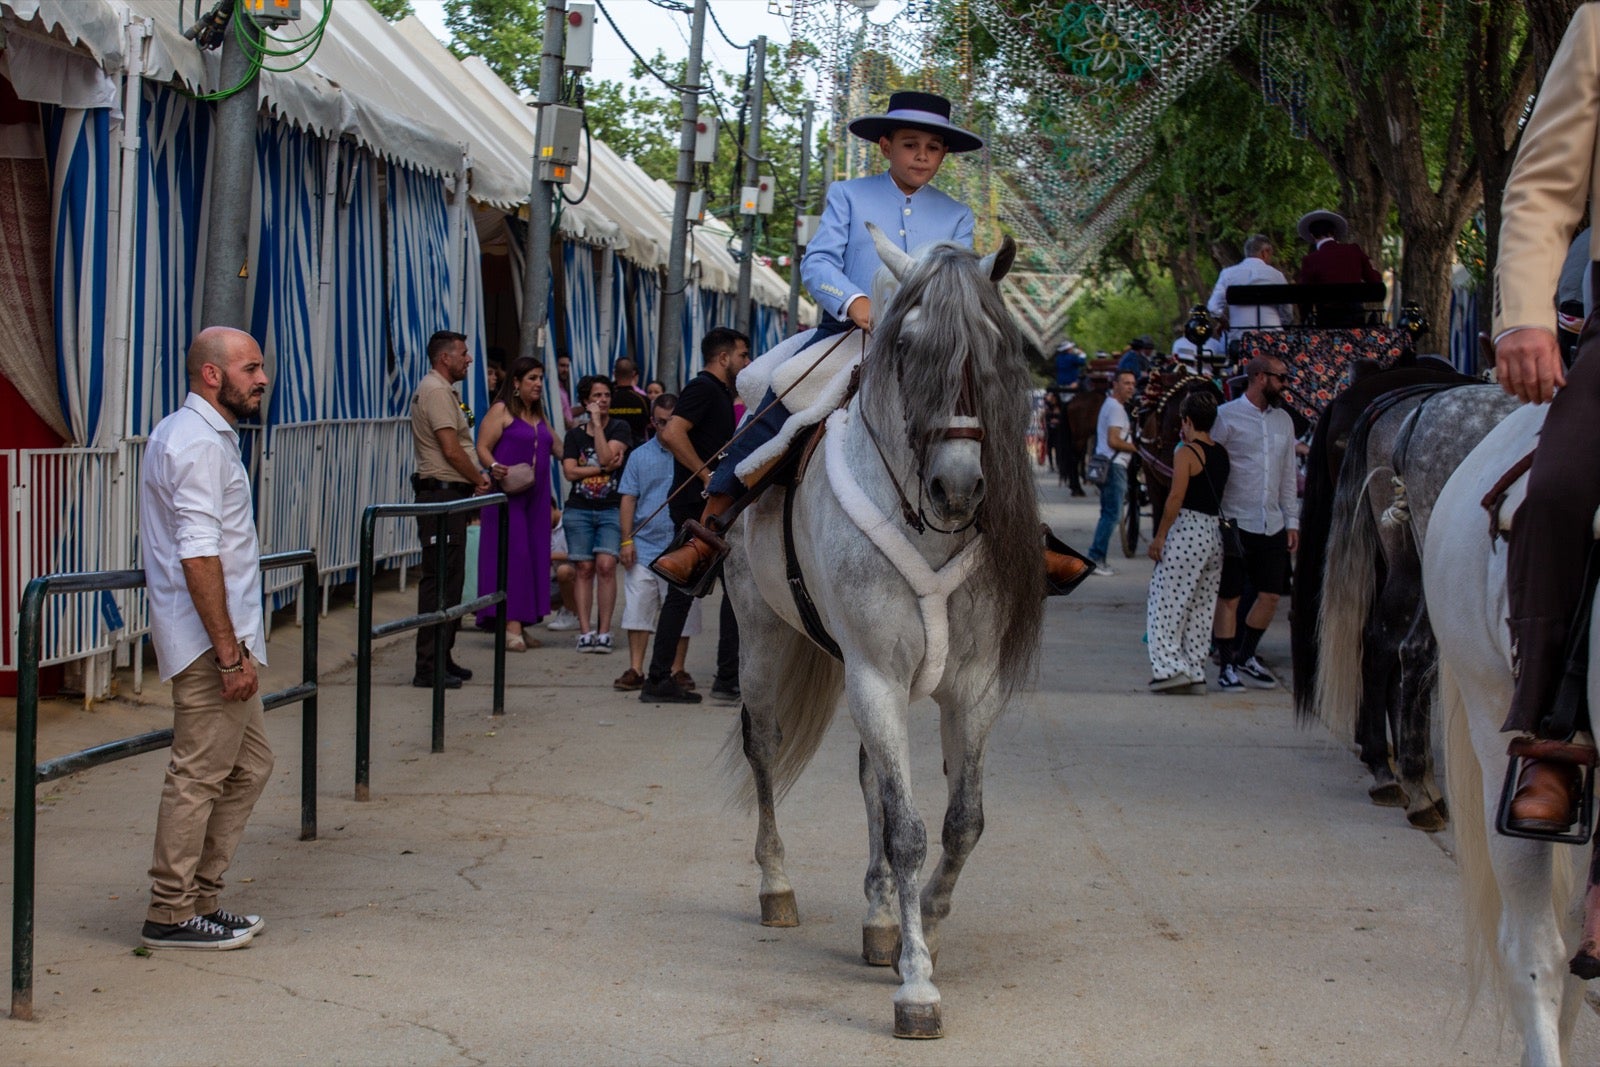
(516, 643)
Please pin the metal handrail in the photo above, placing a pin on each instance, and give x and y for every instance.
(30, 774)
(438, 619)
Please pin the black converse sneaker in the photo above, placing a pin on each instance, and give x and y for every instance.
(253, 923)
(197, 931)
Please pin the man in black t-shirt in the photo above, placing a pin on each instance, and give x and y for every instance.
(591, 459)
(700, 426)
(628, 403)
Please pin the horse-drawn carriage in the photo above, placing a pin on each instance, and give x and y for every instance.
(1320, 361)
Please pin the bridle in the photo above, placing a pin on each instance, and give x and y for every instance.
(963, 426)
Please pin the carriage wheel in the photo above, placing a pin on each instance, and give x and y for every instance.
(1130, 511)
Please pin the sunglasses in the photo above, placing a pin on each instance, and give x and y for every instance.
(1275, 374)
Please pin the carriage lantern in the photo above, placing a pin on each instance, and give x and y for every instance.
(1199, 328)
(1412, 321)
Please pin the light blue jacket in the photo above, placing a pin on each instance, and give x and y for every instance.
(841, 260)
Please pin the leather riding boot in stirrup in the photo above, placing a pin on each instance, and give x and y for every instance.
(1064, 566)
(1546, 800)
(701, 549)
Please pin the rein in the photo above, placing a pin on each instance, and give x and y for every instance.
(749, 422)
(966, 407)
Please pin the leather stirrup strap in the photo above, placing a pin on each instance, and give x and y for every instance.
(810, 617)
(1496, 496)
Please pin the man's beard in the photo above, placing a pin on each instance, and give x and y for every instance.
(243, 405)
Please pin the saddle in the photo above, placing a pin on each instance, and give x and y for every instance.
(811, 393)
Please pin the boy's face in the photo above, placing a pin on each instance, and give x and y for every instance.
(914, 156)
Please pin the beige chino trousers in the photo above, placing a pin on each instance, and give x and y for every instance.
(220, 764)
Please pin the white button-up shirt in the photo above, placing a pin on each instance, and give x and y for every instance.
(1249, 271)
(195, 502)
(1263, 482)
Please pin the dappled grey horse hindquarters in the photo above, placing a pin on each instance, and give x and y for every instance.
(1563, 496)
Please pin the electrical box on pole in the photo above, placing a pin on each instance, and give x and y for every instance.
(580, 38)
(705, 140)
(766, 194)
(560, 133)
(272, 12)
(697, 206)
(805, 228)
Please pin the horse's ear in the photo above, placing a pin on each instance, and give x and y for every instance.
(997, 264)
(894, 257)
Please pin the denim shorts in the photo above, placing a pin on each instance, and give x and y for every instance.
(593, 530)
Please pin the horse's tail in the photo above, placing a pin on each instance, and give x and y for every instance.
(1480, 893)
(1347, 600)
(1306, 598)
(810, 682)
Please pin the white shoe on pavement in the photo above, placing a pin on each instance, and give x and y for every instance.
(562, 620)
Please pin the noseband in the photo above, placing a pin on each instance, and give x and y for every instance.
(963, 426)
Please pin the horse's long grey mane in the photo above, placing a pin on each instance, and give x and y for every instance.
(946, 308)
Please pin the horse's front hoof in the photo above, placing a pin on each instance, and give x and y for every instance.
(779, 909)
(1431, 819)
(880, 945)
(1388, 795)
(917, 1022)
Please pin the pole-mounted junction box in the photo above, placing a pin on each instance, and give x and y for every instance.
(560, 133)
(272, 12)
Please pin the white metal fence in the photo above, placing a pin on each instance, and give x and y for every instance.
(77, 509)
(318, 477)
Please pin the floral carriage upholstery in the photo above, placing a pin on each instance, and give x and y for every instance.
(1319, 359)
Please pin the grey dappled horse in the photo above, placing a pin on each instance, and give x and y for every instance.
(952, 611)
(1376, 650)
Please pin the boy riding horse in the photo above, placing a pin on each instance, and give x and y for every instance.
(915, 136)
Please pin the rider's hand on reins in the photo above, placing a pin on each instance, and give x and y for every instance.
(1528, 364)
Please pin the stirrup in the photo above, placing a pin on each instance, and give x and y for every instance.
(693, 529)
(1055, 544)
(1581, 756)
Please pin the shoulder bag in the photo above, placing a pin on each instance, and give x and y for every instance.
(1097, 469)
(1232, 543)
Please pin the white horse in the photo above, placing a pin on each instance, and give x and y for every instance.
(1522, 897)
(941, 597)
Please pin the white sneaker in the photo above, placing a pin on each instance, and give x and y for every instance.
(586, 642)
(1103, 571)
(562, 620)
(602, 644)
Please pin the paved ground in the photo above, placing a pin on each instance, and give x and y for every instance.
(1162, 880)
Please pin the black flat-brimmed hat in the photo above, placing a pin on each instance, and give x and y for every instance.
(917, 111)
(1341, 228)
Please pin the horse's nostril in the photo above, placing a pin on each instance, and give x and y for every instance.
(977, 490)
(937, 491)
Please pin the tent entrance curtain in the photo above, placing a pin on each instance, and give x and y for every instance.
(78, 153)
(27, 337)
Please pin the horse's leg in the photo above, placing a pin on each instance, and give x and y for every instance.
(1530, 939)
(1372, 718)
(1426, 809)
(761, 740)
(761, 631)
(878, 706)
(964, 729)
(880, 930)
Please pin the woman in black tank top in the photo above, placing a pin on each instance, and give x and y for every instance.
(1187, 549)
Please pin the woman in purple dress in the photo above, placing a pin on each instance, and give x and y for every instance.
(514, 431)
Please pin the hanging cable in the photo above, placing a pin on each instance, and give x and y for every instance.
(255, 40)
(588, 170)
(720, 30)
(672, 85)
